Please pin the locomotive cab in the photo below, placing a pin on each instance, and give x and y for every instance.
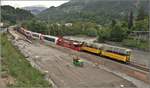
(128, 54)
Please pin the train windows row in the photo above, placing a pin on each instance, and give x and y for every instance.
(49, 39)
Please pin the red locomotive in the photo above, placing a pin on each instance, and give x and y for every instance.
(75, 45)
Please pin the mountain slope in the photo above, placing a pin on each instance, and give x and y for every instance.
(99, 11)
(34, 9)
(9, 13)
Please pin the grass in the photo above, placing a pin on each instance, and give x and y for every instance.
(143, 45)
(19, 68)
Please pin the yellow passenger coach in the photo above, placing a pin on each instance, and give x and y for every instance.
(92, 47)
(113, 52)
(118, 53)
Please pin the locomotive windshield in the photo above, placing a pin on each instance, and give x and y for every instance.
(128, 52)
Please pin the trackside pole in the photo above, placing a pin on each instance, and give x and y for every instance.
(41, 39)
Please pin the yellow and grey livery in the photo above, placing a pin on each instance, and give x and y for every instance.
(117, 53)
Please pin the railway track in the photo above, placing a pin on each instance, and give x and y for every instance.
(138, 66)
(134, 70)
(131, 64)
(129, 68)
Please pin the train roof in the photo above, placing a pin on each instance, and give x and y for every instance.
(72, 39)
(108, 47)
(96, 45)
(36, 33)
(50, 36)
(111, 46)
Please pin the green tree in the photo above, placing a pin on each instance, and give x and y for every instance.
(118, 33)
(14, 15)
(141, 25)
(141, 13)
(113, 23)
(104, 34)
(36, 26)
(91, 32)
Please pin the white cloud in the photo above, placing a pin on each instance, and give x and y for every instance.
(16, 3)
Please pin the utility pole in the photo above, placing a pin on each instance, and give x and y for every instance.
(130, 19)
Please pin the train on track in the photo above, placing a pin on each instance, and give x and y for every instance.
(113, 52)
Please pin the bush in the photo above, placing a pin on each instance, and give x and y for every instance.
(141, 25)
(36, 26)
(91, 32)
(140, 44)
(104, 34)
(118, 33)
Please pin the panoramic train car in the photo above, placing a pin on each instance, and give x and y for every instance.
(49, 39)
(92, 47)
(75, 45)
(117, 53)
(36, 35)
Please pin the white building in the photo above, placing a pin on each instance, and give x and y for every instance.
(1, 24)
(68, 24)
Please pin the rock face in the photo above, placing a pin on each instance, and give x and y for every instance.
(100, 11)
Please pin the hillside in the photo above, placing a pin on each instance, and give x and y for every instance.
(13, 15)
(99, 11)
(34, 9)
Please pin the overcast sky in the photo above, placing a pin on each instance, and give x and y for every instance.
(45, 3)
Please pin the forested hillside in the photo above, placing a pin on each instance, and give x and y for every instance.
(12, 15)
(99, 11)
(34, 9)
(108, 20)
